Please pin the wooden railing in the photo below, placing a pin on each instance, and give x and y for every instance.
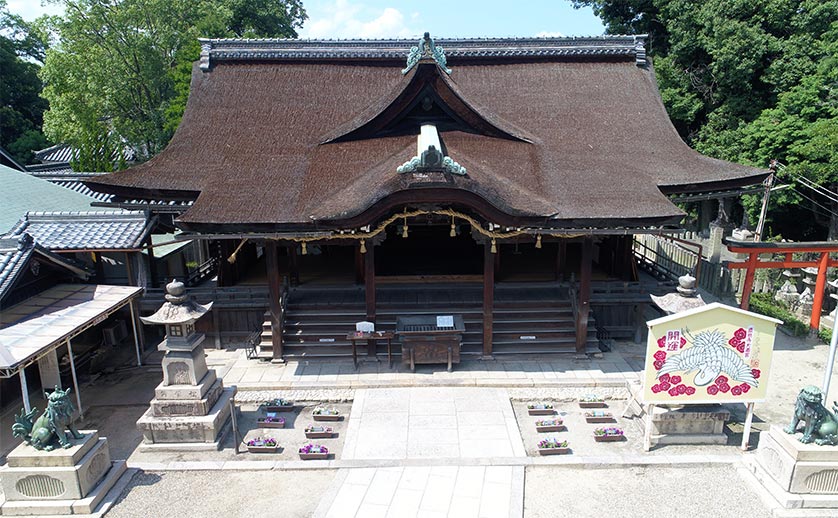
(203, 272)
(667, 257)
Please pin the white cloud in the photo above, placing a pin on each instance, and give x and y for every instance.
(549, 34)
(31, 9)
(342, 20)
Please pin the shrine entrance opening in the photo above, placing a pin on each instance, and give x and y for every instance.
(428, 251)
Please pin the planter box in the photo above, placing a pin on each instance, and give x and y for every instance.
(609, 438)
(551, 428)
(553, 451)
(592, 404)
(262, 449)
(320, 434)
(314, 456)
(277, 408)
(541, 411)
(326, 417)
(270, 424)
(600, 419)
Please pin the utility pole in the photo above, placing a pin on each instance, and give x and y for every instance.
(768, 183)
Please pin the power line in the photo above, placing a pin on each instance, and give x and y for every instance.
(820, 189)
(813, 201)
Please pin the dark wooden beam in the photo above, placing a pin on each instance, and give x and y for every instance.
(274, 293)
(561, 260)
(369, 291)
(129, 270)
(293, 264)
(488, 298)
(584, 303)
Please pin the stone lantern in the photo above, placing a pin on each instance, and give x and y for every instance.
(191, 405)
(687, 297)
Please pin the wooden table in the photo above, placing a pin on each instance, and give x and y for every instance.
(379, 335)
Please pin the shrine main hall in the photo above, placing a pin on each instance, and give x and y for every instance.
(499, 180)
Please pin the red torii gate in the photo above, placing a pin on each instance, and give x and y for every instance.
(754, 249)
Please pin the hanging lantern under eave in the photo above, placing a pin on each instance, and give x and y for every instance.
(538, 241)
(305, 248)
(363, 247)
(453, 232)
(494, 248)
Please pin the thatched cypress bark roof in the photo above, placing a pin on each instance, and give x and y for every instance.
(564, 131)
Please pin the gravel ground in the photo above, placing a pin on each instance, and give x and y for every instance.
(232, 494)
(555, 492)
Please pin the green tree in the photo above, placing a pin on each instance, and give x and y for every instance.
(751, 82)
(21, 107)
(119, 74)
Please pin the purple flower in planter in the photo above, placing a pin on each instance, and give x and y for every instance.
(608, 431)
(551, 442)
(259, 441)
(314, 448)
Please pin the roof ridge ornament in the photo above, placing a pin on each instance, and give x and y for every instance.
(426, 49)
(429, 155)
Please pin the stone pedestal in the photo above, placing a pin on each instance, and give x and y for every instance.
(58, 482)
(694, 424)
(798, 475)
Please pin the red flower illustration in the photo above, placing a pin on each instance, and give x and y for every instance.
(675, 380)
(673, 392)
(724, 387)
(665, 385)
(683, 343)
(660, 355)
(656, 388)
(740, 334)
(682, 389)
(721, 379)
(713, 390)
(756, 373)
(665, 377)
(740, 348)
(658, 364)
(661, 341)
(736, 390)
(690, 391)
(745, 388)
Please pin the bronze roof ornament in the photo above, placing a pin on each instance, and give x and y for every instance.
(426, 50)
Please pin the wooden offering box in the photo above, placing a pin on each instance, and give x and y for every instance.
(424, 341)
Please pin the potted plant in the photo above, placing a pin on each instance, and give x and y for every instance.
(552, 446)
(592, 401)
(271, 420)
(608, 434)
(314, 451)
(322, 413)
(598, 416)
(319, 432)
(549, 425)
(540, 409)
(278, 405)
(262, 445)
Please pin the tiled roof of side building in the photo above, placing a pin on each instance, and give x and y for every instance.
(91, 230)
(15, 253)
(294, 134)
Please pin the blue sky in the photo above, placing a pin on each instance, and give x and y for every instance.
(392, 18)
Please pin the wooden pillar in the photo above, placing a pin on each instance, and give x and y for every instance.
(274, 292)
(369, 290)
(293, 264)
(152, 265)
(488, 298)
(129, 270)
(359, 266)
(561, 260)
(749, 280)
(820, 286)
(584, 302)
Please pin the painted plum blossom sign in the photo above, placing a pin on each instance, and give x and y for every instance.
(715, 353)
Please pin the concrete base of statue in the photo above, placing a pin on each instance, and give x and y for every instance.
(165, 426)
(75, 480)
(801, 477)
(693, 424)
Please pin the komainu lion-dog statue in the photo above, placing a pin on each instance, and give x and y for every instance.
(51, 425)
(819, 424)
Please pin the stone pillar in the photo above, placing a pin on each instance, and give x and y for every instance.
(48, 369)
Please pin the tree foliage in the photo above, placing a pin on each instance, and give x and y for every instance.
(21, 107)
(750, 82)
(119, 74)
